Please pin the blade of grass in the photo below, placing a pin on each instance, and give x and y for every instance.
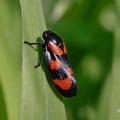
(38, 101)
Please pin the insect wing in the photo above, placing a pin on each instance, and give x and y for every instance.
(60, 69)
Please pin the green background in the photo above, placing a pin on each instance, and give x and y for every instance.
(91, 32)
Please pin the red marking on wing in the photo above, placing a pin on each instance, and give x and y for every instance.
(64, 84)
(65, 51)
(56, 49)
(55, 64)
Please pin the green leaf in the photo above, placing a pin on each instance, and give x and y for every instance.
(38, 100)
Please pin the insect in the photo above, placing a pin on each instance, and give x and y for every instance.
(59, 66)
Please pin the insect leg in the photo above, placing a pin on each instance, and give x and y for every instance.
(36, 43)
(41, 59)
(33, 43)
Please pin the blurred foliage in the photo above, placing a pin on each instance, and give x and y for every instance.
(10, 59)
(91, 32)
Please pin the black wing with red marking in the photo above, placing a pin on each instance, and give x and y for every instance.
(59, 65)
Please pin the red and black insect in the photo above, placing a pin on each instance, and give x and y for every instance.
(58, 62)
